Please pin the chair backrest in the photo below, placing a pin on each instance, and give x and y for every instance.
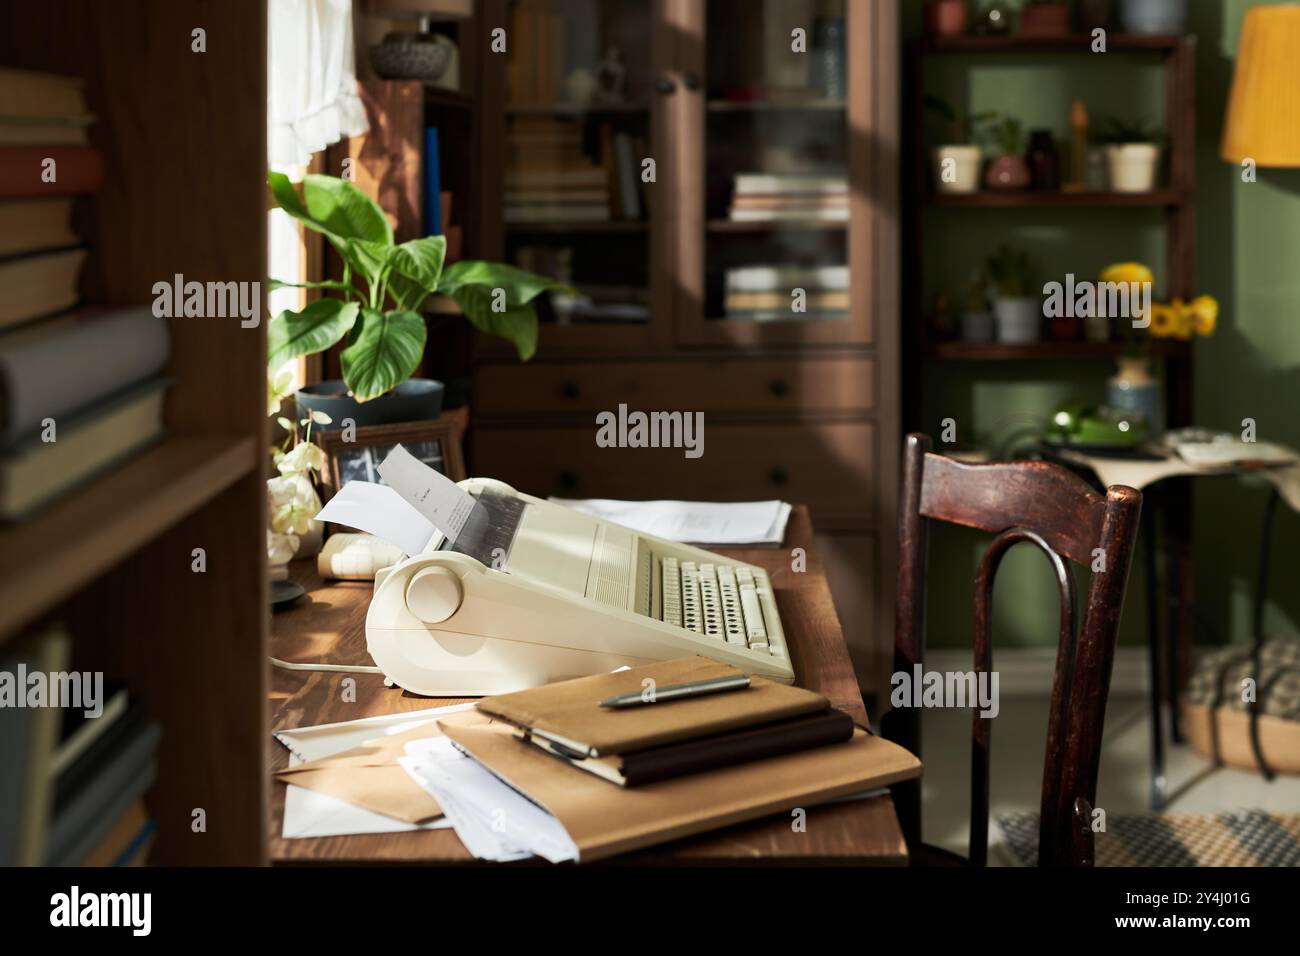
(1055, 510)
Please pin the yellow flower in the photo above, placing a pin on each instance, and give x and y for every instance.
(1163, 321)
(1127, 272)
(1204, 310)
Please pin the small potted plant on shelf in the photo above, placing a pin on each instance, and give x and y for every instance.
(1018, 313)
(1132, 154)
(976, 319)
(378, 304)
(945, 18)
(1007, 169)
(957, 161)
(1045, 18)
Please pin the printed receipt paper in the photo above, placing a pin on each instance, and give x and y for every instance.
(416, 506)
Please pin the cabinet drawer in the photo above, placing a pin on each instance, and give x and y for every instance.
(805, 385)
(829, 466)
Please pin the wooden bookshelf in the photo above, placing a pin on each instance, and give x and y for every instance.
(1064, 351)
(183, 137)
(1036, 198)
(1075, 43)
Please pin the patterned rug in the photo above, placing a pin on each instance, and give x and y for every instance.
(1236, 838)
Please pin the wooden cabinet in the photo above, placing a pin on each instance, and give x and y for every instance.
(718, 182)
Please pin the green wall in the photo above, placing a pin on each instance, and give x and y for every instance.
(1248, 257)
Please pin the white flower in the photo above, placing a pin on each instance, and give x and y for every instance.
(280, 548)
(277, 387)
(302, 458)
(293, 504)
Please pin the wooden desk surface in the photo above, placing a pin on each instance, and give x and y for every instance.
(328, 626)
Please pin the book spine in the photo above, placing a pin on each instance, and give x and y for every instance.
(432, 184)
(30, 171)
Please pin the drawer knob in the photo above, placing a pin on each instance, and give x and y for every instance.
(778, 475)
(570, 390)
(779, 387)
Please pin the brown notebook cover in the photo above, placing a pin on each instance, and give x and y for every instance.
(77, 170)
(570, 710)
(715, 751)
(604, 820)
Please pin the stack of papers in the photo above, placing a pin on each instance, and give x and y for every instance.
(493, 820)
(694, 522)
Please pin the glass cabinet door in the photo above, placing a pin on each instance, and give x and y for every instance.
(579, 91)
(774, 109)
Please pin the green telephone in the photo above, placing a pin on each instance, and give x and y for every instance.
(1101, 428)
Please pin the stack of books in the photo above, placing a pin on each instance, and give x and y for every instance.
(777, 197)
(550, 177)
(77, 393)
(768, 292)
(76, 768)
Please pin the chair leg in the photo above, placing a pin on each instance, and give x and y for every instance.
(1257, 642)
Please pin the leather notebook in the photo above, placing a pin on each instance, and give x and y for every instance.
(709, 753)
(568, 713)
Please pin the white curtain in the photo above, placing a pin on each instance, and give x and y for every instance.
(311, 79)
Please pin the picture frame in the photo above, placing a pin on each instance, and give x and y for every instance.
(436, 443)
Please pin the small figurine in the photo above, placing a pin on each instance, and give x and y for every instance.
(611, 78)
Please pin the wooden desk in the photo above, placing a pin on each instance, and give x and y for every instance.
(328, 625)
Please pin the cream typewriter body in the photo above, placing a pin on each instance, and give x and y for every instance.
(543, 593)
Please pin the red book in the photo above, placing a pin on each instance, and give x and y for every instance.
(75, 170)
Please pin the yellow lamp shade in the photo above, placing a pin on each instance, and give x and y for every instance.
(1263, 122)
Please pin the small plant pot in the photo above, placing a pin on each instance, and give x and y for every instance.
(964, 162)
(1018, 320)
(416, 399)
(945, 18)
(1045, 20)
(1008, 172)
(1132, 167)
(1153, 17)
(977, 326)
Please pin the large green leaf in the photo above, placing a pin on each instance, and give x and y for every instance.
(385, 354)
(520, 285)
(333, 206)
(417, 267)
(518, 324)
(312, 330)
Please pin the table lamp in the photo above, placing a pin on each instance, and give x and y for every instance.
(1263, 121)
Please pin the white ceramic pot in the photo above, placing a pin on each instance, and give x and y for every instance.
(1019, 320)
(957, 168)
(1132, 167)
(977, 326)
(1153, 17)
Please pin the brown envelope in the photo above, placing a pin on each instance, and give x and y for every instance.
(572, 708)
(604, 819)
(369, 776)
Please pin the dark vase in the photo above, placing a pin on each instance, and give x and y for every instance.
(416, 399)
(1008, 171)
(1044, 161)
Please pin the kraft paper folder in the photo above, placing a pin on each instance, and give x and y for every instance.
(604, 820)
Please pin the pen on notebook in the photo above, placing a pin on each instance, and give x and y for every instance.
(698, 688)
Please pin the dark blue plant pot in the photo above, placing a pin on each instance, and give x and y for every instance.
(416, 399)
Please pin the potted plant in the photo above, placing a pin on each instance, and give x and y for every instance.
(1008, 169)
(377, 306)
(1018, 313)
(1153, 17)
(945, 18)
(957, 161)
(976, 319)
(1045, 18)
(1132, 155)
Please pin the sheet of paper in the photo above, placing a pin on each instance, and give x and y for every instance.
(696, 522)
(479, 801)
(311, 814)
(383, 512)
(442, 502)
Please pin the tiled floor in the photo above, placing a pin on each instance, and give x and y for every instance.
(1019, 733)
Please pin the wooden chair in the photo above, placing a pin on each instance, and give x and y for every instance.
(1046, 505)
